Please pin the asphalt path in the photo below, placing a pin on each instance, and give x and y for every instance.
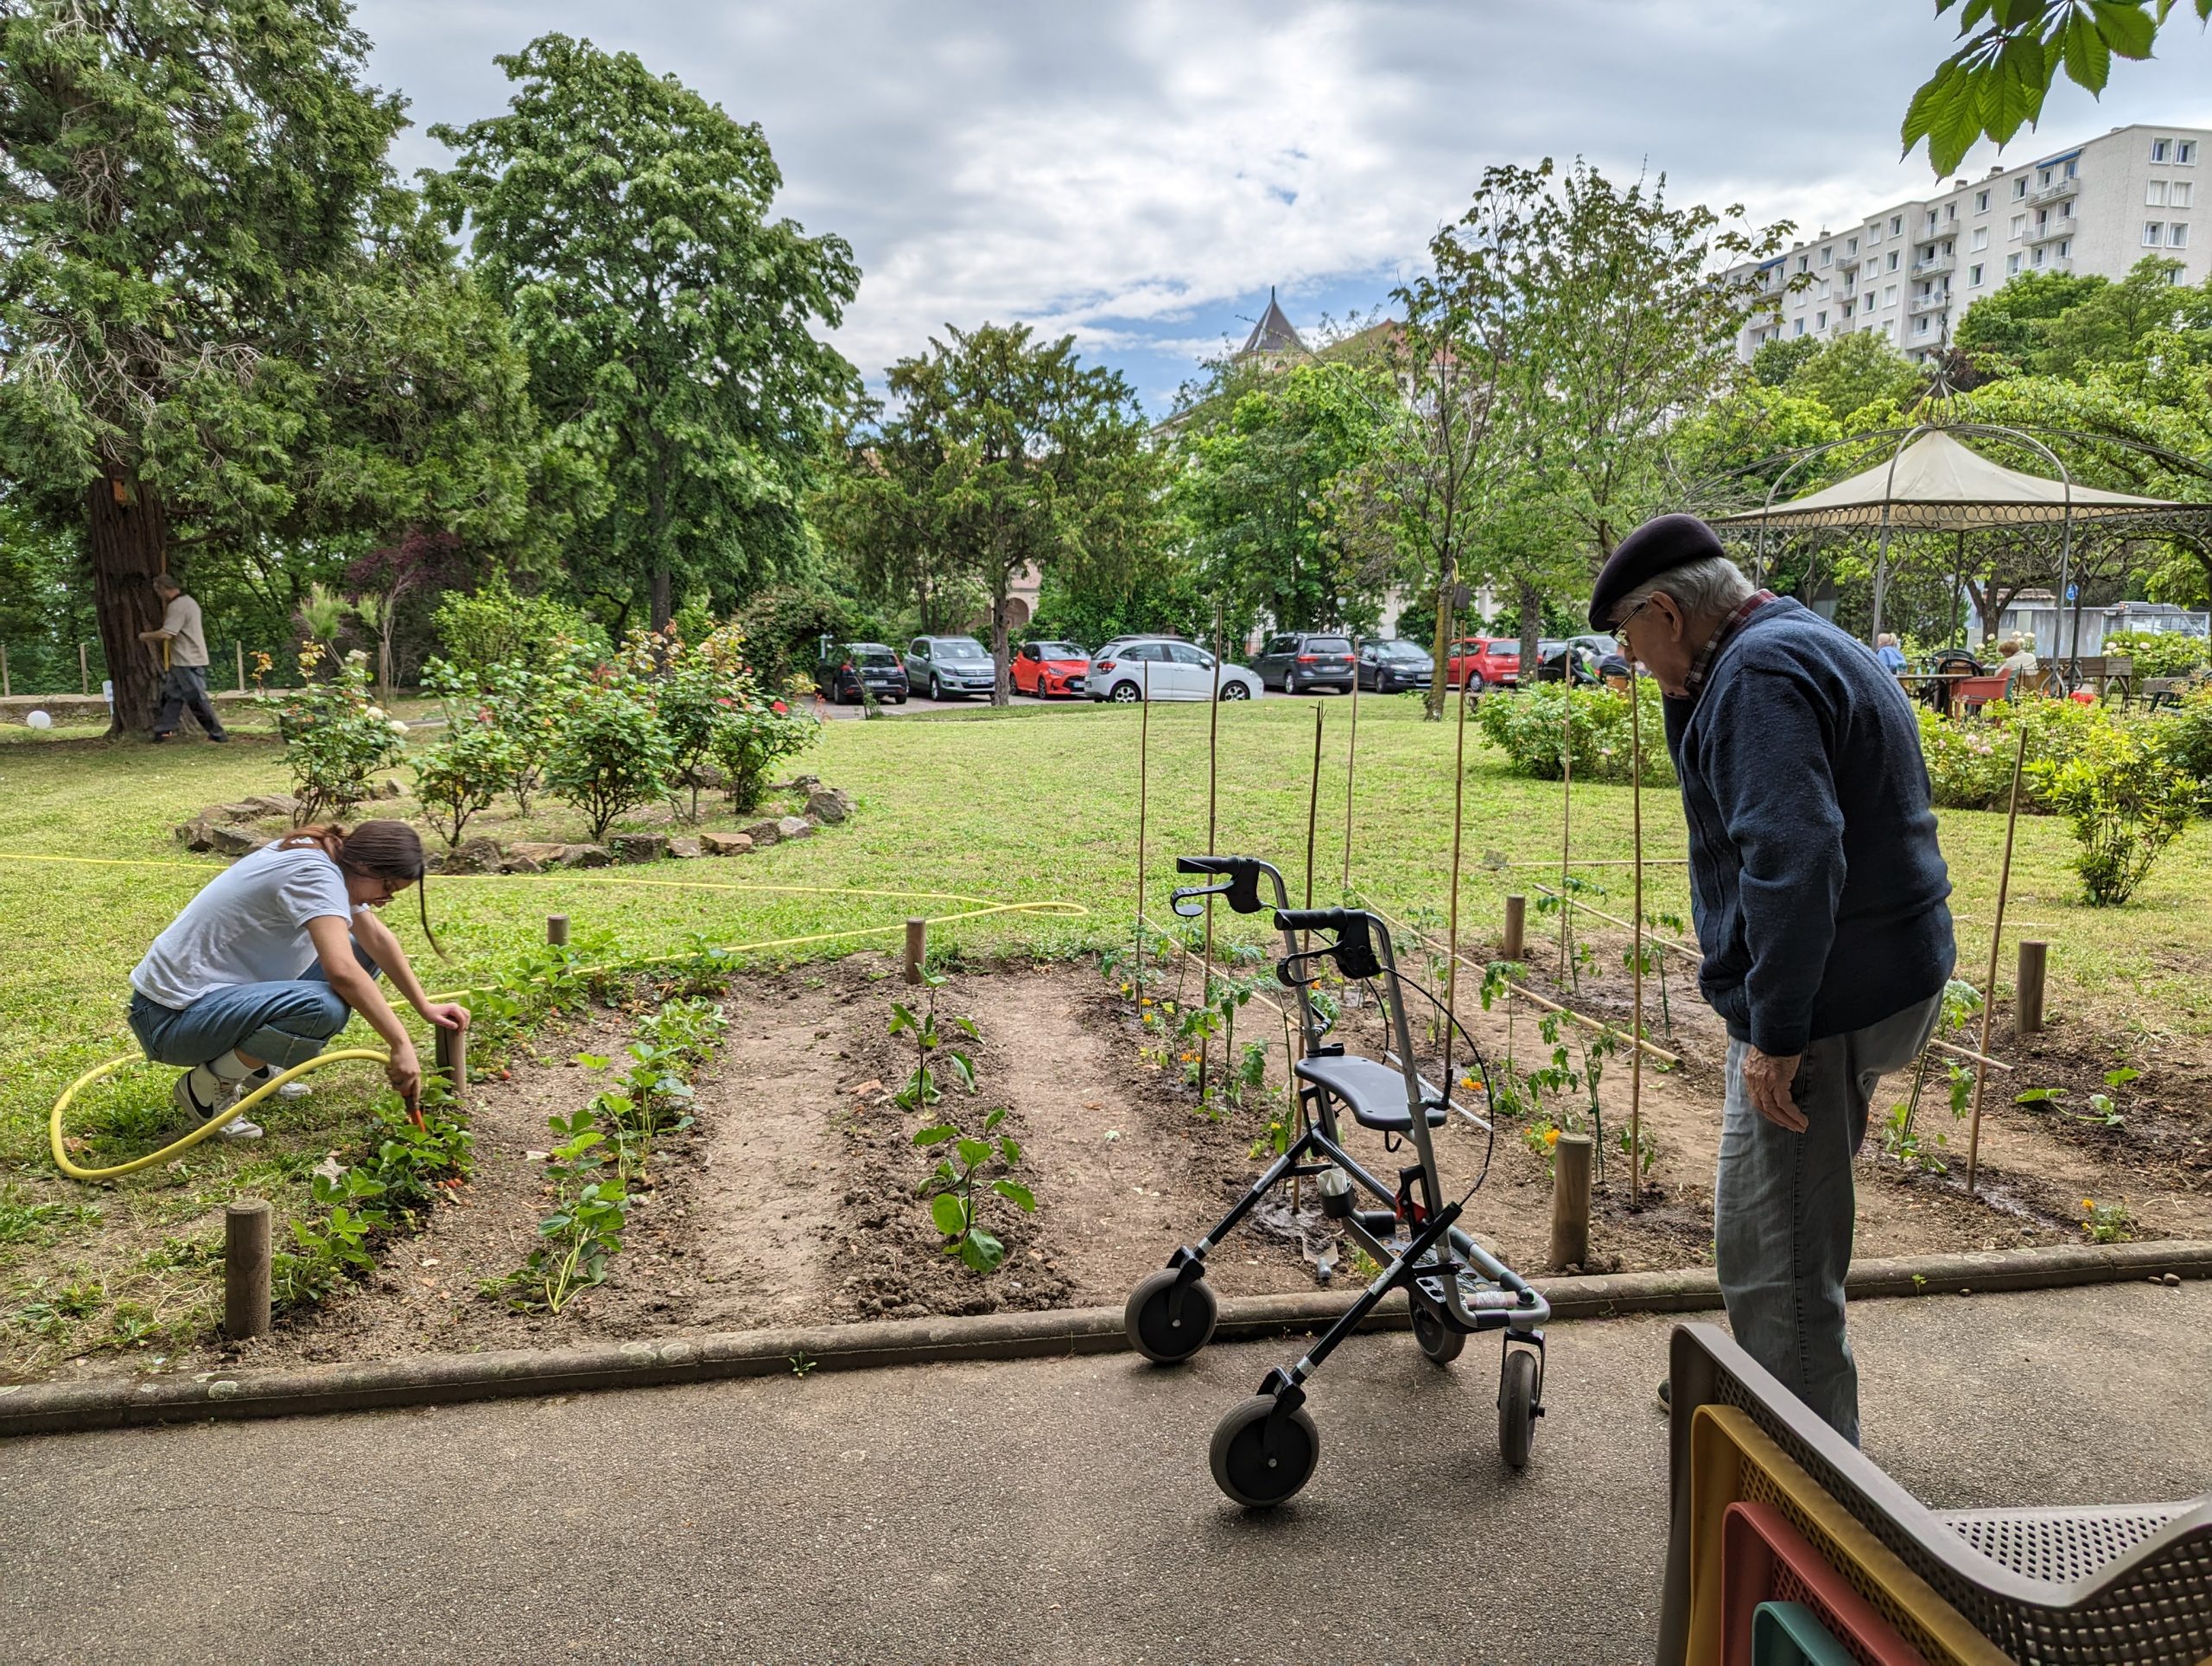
(1038, 1510)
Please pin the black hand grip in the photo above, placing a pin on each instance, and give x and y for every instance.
(1312, 920)
(1242, 891)
(1354, 949)
(1203, 864)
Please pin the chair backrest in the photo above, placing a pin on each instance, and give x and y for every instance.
(1979, 690)
(2058, 1596)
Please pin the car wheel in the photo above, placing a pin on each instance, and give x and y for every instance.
(936, 690)
(1476, 682)
(1234, 691)
(1124, 694)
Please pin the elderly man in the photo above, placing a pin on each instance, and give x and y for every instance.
(184, 684)
(1819, 894)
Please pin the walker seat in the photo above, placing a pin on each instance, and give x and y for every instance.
(1374, 1092)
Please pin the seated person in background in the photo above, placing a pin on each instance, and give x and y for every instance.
(2019, 662)
(1891, 655)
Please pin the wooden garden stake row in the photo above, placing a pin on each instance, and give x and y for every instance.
(1686, 951)
(1996, 939)
(1636, 1008)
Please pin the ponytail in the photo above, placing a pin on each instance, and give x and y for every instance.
(384, 850)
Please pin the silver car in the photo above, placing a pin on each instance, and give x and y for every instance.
(942, 666)
(1168, 669)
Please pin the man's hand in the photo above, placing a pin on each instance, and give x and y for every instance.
(446, 1015)
(1767, 1077)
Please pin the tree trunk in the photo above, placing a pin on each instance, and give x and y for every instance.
(1001, 678)
(658, 604)
(1441, 646)
(129, 544)
(1532, 628)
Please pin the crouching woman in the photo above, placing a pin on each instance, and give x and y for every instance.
(273, 956)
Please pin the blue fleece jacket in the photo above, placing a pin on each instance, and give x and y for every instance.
(1815, 878)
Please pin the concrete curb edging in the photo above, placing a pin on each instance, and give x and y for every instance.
(429, 1379)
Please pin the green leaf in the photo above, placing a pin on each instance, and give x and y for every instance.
(981, 1251)
(937, 1136)
(967, 1026)
(2126, 27)
(594, 1060)
(2088, 60)
(949, 1213)
(974, 1151)
(1008, 1149)
(962, 1067)
(993, 1119)
(902, 1019)
(2011, 90)
(1017, 1194)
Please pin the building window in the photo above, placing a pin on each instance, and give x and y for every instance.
(1869, 307)
(2161, 148)
(1979, 240)
(1894, 254)
(1897, 225)
(2177, 235)
(2154, 195)
(2185, 153)
(1801, 263)
(2044, 177)
(2043, 219)
(1890, 295)
(1821, 319)
(2019, 227)
(1799, 330)
(2073, 169)
(1981, 202)
(2180, 194)
(1827, 256)
(2019, 187)
(2152, 229)
(1973, 277)
(1950, 211)
(2065, 247)
(1931, 219)
(2041, 251)
(1851, 246)
(1920, 325)
(2011, 264)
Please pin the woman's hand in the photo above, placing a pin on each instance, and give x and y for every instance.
(405, 1071)
(446, 1015)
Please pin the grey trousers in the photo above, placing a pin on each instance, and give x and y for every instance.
(184, 688)
(1784, 1205)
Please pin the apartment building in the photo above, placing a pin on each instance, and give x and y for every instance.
(1912, 269)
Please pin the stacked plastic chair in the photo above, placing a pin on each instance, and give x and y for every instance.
(1783, 1534)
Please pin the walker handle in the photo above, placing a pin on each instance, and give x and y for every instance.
(1242, 890)
(1354, 949)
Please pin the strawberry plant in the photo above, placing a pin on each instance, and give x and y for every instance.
(950, 1189)
(584, 1230)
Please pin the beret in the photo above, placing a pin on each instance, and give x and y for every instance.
(1658, 546)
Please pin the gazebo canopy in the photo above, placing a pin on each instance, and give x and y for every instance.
(1937, 485)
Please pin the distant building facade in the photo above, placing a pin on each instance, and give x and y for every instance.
(1910, 271)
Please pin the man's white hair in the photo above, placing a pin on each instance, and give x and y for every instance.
(1708, 589)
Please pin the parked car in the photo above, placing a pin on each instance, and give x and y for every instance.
(1169, 669)
(1395, 665)
(1298, 661)
(871, 665)
(1566, 658)
(1046, 669)
(944, 666)
(1484, 661)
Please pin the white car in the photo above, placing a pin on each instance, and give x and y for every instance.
(1168, 669)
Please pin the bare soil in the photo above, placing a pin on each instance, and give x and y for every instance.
(796, 1198)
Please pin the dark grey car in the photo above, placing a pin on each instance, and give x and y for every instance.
(942, 666)
(1297, 661)
(1395, 665)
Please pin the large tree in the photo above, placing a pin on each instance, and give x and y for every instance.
(670, 322)
(1008, 455)
(183, 187)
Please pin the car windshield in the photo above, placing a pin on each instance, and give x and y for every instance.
(875, 657)
(1406, 652)
(960, 647)
(1058, 651)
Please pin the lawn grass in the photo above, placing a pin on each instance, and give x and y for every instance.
(1031, 805)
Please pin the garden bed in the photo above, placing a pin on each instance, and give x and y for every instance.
(794, 1200)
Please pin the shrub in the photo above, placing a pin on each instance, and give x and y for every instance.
(335, 738)
(2187, 734)
(2160, 653)
(697, 690)
(495, 626)
(753, 730)
(2127, 801)
(463, 772)
(1527, 725)
(610, 755)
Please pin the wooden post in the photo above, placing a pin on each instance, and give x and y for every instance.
(84, 670)
(557, 931)
(240, 647)
(6, 687)
(1313, 798)
(1996, 938)
(449, 1048)
(1571, 1200)
(2027, 988)
(246, 1268)
(1636, 937)
(917, 932)
(1517, 929)
(1351, 761)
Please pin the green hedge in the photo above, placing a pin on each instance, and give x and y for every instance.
(1530, 727)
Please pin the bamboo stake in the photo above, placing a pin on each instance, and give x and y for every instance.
(1452, 948)
(1213, 781)
(1313, 801)
(1352, 760)
(1996, 938)
(1689, 951)
(1635, 1010)
(1566, 810)
(1144, 775)
(84, 670)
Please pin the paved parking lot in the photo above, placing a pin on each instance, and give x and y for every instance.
(921, 705)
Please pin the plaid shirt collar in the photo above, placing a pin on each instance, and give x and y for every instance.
(1702, 664)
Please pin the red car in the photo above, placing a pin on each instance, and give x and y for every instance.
(1495, 662)
(1045, 669)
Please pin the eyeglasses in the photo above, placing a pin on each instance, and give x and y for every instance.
(1620, 631)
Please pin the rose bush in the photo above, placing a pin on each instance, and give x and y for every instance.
(336, 736)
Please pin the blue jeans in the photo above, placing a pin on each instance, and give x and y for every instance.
(1783, 1209)
(280, 1024)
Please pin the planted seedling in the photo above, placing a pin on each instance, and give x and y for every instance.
(921, 1091)
(585, 1228)
(951, 1191)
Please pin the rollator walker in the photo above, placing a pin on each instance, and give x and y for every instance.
(1265, 1449)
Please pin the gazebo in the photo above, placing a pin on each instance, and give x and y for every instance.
(1931, 483)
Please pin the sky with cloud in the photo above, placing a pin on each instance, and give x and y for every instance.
(1139, 173)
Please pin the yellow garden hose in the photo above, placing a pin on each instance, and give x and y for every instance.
(980, 908)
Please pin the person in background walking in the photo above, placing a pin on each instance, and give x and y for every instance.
(1818, 891)
(184, 684)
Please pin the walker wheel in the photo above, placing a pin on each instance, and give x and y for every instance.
(1167, 1328)
(1517, 1406)
(1438, 1339)
(1261, 1457)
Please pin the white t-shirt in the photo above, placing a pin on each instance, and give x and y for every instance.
(249, 926)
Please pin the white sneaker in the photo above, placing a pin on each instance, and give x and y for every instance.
(298, 1090)
(186, 1094)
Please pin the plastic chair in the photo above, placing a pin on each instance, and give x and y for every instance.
(1973, 693)
(2127, 1584)
(1790, 1634)
(1733, 1461)
(1766, 1561)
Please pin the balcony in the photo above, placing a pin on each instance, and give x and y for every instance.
(2054, 191)
(1846, 262)
(2056, 263)
(1934, 266)
(2059, 226)
(1934, 301)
